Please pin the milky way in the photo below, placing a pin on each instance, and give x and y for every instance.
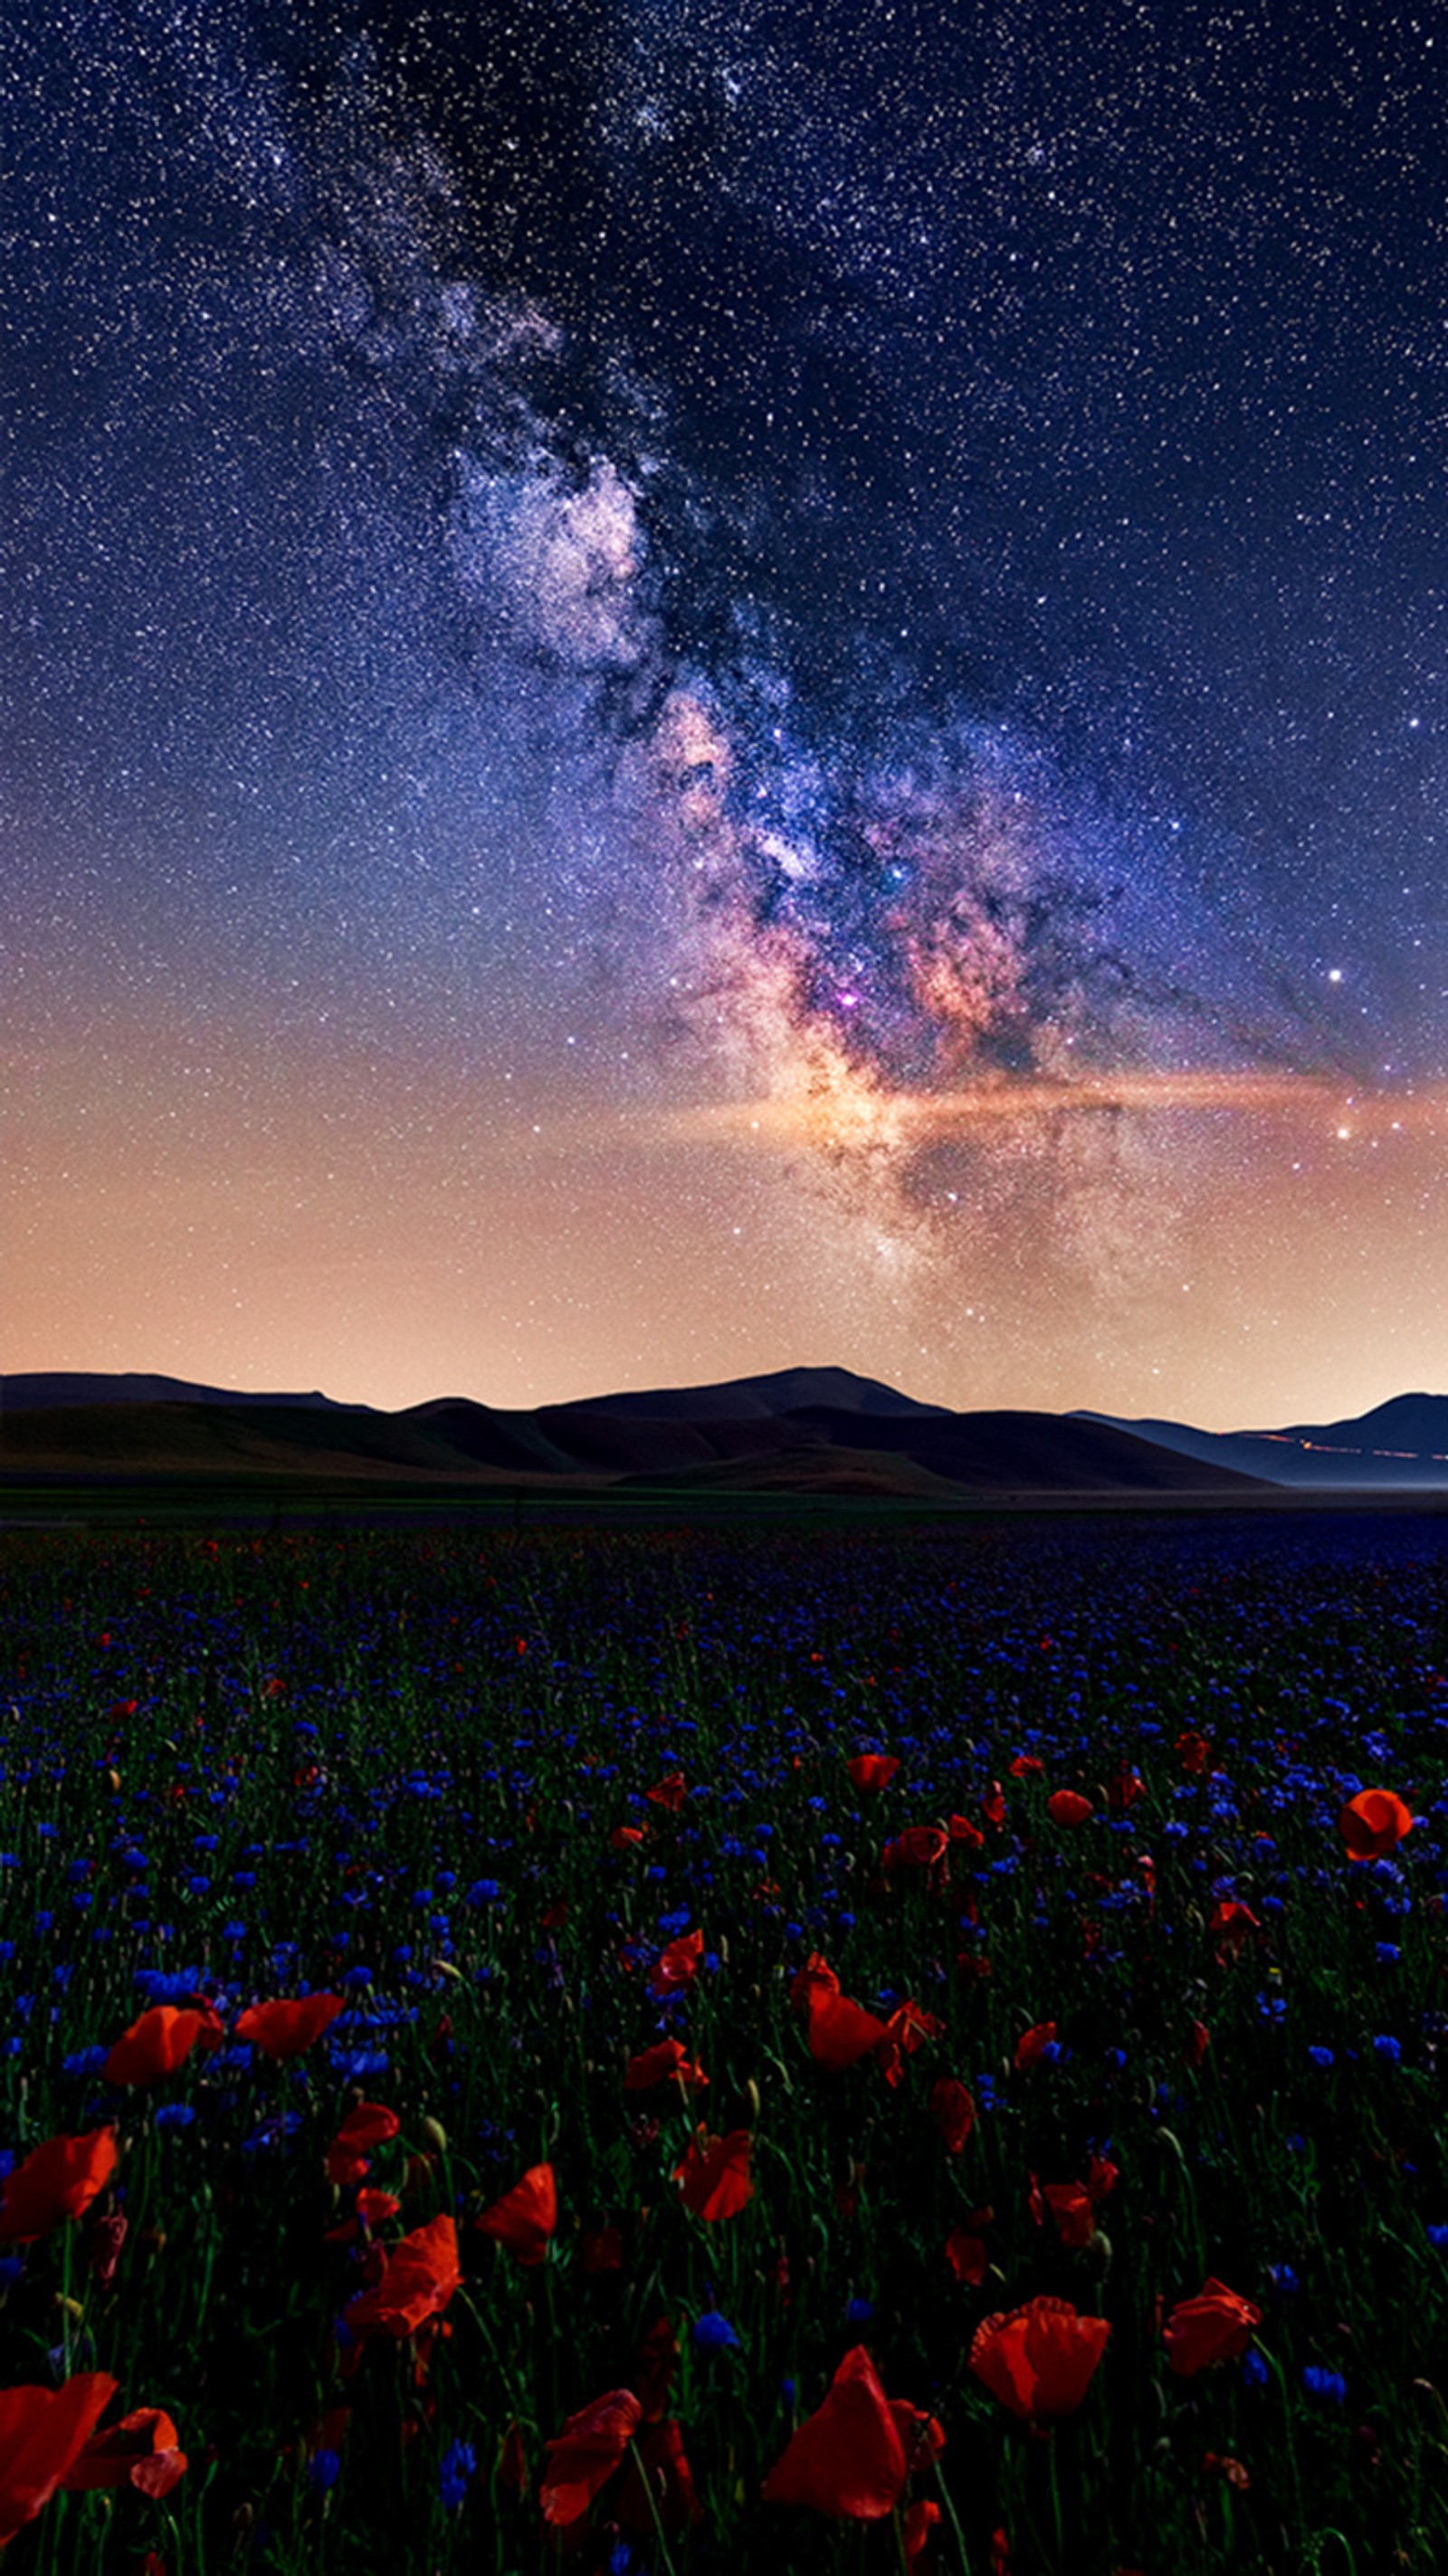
(728, 686)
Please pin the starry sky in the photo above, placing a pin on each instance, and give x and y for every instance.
(692, 688)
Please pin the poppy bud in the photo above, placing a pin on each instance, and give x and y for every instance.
(435, 2134)
(1096, 2256)
(751, 2096)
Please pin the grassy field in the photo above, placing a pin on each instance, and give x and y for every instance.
(576, 1833)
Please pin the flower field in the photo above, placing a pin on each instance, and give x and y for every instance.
(696, 2051)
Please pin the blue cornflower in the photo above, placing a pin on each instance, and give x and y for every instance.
(1388, 2048)
(175, 2115)
(1388, 1954)
(713, 2333)
(323, 2470)
(459, 2464)
(1327, 2387)
(1438, 2239)
(858, 2312)
(1254, 2368)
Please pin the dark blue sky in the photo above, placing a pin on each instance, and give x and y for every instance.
(624, 564)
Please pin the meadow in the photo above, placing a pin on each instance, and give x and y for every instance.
(919, 2050)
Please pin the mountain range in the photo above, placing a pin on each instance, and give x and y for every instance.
(798, 1431)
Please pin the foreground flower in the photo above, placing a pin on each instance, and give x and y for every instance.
(919, 1847)
(56, 2182)
(1068, 1807)
(873, 1770)
(674, 1970)
(585, 2454)
(1373, 1823)
(369, 2124)
(1214, 2326)
(42, 2433)
(653, 2066)
(1033, 2044)
(714, 2178)
(289, 2025)
(421, 2276)
(525, 2217)
(657, 2483)
(1039, 2359)
(952, 2110)
(1071, 2207)
(142, 2451)
(840, 2032)
(848, 2460)
(965, 2250)
(160, 2041)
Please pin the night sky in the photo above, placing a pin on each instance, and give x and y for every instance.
(692, 688)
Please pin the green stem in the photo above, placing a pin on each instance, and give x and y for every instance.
(643, 2480)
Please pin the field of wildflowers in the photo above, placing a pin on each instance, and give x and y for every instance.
(692, 2051)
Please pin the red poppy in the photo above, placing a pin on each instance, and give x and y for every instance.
(1199, 2040)
(585, 2454)
(1070, 2205)
(1039, 2359)
(512, 2471)
(1027, 1766)
(525, 2217)
(961, 1830)
(953, 2111)
(602, 2249)
(920, 2521)
(141, 2451)
(57, 2181)
(1231, 1924)
(624, 1837)
(160, 2041)
(657, 2485)
(288, 2026)
(848, 2460)
(676, 1966)
(840, 2033)
(993, 1804)
(421, 2276)
(921, 2437)
(873, 1770)
(655, 2363)
(1373, 1823)
(965, 2253)
(42, 2433)
(654, 2065)
(815, 1977)
(1195, 1751)
(370, 2124)
(1123, 1789)
(919, 1847)
(1032, 2045)
(1102, 2177)
(1068, 1807)
(908, 2024)
(669, 1792)
(714, 2179)
(1214, 2326)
